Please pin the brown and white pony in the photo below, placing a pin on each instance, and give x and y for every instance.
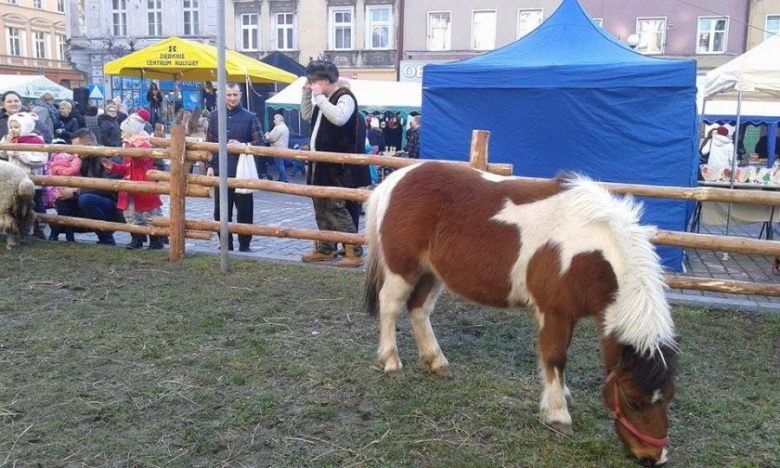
(564, 247)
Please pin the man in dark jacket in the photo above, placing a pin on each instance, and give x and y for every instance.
(242, 127)
(413, 138)
(334, 116)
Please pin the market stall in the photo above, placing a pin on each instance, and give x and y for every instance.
(182, 60)
(372, 96)
(32, 86)
(750, 84)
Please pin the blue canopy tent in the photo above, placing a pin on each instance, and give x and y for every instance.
(569, 97)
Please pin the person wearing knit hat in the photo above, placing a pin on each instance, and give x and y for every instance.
(21, 130)
(132, 126)
(139, 207)
(720, 152)
(144, 114)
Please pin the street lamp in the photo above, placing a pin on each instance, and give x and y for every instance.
(633, 40)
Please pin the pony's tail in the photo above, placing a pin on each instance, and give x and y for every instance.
(375, 276)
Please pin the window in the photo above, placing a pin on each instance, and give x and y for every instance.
(528, 20)
(119, 14)
(439, 30)
(61, 6)
(652, 35)
(154, 17)
(342, 26)
(483, 30)
(61, 44)
(713, 35)
(14, 43)
(249, 32)
(40, 40)
(285, 31)
(12, 2)
(598, 22)
(379, 27)
(38, 4)
(191, 27)
(772, 26)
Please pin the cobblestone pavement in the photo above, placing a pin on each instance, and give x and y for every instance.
(274, 209)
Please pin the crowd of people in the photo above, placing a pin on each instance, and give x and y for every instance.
(336, 122)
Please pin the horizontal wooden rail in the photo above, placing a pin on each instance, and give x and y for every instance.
(115, 185)
(314, 191)
(93, 224)
(722, 286)
(256, 230)
(721, 244)
(701, 194)
(323, 156)
(154, 153)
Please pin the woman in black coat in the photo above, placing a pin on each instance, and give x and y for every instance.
(108, 126)
(68, 122)
(155, 98)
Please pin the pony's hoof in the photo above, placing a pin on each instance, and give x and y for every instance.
(443, 371)
(562, 428)
(395, 373)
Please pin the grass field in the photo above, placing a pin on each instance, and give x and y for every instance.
(118, 358)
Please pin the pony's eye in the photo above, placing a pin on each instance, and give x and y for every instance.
(633, 404)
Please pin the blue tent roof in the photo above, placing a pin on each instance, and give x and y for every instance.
(568, 50)
(568, 97)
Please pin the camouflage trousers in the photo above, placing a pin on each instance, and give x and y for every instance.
(332, 215)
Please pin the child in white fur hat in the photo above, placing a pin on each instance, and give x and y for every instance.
(138, 207)
(21, 130)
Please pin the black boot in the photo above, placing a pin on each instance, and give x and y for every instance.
(155, 243)
(137, 242)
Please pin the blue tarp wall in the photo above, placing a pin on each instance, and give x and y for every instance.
(570, 97)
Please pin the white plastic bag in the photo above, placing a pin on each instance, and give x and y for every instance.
(246, 170)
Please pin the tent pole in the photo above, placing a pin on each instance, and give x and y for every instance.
(248, 97)
(734, 164)
(224, 261)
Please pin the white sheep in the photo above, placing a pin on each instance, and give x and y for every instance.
(17, 199)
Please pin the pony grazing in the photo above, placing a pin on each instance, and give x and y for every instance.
(566, 248)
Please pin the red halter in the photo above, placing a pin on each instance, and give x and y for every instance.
(618, 417)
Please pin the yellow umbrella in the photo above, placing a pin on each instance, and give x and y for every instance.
(183, 60)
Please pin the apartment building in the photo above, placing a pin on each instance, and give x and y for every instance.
(34, 40)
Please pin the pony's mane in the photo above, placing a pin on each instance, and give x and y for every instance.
(640, 315)
(652, 372)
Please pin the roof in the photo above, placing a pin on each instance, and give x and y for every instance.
(756, 73)
(283, 62)
(371, 96)
(567, 50)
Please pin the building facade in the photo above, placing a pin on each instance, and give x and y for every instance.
(360, 36)
(104, 30)
(443, 30)
(34, 40)
(765, 19)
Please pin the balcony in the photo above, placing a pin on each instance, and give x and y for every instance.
(29, 62)
(362, 58)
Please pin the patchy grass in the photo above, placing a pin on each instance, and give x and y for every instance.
(118, 358)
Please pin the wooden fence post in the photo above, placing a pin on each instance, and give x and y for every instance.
(178, 194)
(479, 149)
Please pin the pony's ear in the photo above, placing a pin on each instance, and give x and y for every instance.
(628, 358)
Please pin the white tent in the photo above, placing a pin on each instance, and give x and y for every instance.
(371, 96)
(756, 73)
(753, 76)
(32, 86)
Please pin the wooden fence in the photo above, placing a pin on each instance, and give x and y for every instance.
(179, 185)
